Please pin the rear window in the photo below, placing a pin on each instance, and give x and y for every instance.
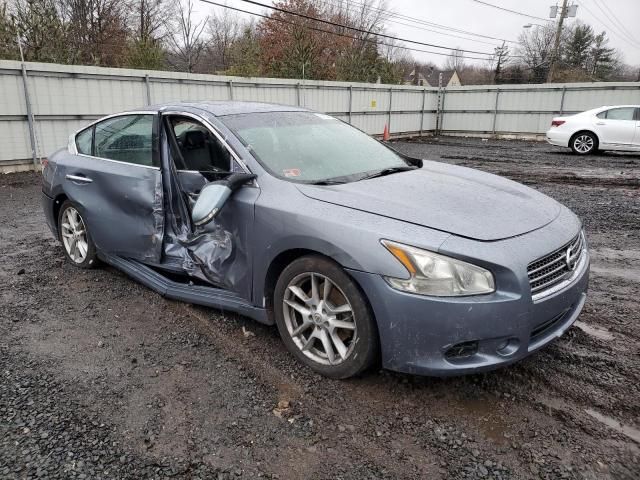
(127, 138)
(623, 113)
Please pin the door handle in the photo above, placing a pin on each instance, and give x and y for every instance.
(78, 178)
(600, 123)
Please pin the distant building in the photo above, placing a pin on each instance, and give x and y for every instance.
(431, 77)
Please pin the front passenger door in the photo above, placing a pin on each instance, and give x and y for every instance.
(219, 252)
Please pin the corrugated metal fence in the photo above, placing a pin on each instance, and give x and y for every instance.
(62, 98)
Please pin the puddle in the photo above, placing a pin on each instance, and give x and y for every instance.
(489, 421)
(631, 432)
(597, 332)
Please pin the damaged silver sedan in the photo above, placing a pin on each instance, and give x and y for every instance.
(356, 252)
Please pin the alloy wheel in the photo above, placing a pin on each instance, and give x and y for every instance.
(583, 143)
(74, 235)
(319, 319)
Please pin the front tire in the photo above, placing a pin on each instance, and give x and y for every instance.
(584, 143)
(76, 240)
(324, 319)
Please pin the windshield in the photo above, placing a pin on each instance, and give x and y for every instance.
(311, 147)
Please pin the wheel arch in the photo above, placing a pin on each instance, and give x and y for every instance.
(585, 130)
(57, 205)
(285, 258)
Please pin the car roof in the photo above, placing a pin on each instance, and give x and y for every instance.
(618, 106)
(226, 107)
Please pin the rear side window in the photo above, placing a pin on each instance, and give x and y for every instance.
(127, 138)
(624, 113)
(84, 140)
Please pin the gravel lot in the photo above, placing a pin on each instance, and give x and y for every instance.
(102, 378)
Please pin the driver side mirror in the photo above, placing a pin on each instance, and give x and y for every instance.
(214, 195)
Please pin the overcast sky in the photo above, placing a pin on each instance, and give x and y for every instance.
(619, 18)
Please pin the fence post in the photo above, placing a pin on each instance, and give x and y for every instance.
(147, 88)
(424, 98)
(495, 110)
(230, 89)
(27, 101)
(389, 112)
(439, 99)
(444, 95)
(564, 90)
(350, 102)
(298, 92)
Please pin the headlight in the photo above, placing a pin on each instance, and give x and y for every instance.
(437, 275)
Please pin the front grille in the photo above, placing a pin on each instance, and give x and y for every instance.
(552, 269)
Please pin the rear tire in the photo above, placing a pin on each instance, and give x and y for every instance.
(74, 235)
(324, 319)
(584, 143)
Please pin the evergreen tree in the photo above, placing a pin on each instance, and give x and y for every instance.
(603, 60)
(578, 46)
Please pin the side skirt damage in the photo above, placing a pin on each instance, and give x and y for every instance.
(197, 294)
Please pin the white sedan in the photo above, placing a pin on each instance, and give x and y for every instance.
(604, 128)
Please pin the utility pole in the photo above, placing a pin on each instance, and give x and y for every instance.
(501, 54)
(556, 45)
(30, 119)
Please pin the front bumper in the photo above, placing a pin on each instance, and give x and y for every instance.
(417, 333)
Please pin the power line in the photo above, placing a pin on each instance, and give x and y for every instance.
(349, 7)
(608, 27)
(613, 23)
(419, 21)
(360, 30)
(375, 42)
(510, 11)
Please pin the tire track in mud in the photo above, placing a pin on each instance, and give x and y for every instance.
(581, 371)
(530, 420)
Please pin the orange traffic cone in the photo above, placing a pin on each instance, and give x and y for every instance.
(385, 134)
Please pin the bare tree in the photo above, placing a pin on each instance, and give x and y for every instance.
(224, 30)
(148, 19)
(535, 50)
(97, 30)
(148, 24)
(245, 53)
(501, 57)
(186, 44)
(455, 60)
(366, 58)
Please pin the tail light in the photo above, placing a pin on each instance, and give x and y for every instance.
(557, 123)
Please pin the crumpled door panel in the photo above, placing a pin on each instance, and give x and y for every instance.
(216, 253)
(122, 205)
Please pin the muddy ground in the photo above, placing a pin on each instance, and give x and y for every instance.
(102, 378)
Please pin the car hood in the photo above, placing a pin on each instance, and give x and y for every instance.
(449, 198)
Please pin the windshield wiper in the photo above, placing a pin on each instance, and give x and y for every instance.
(387, 171)
(328, 182)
